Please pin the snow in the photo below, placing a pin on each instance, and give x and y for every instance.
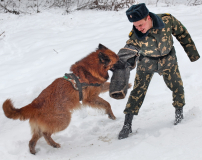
(38, 48)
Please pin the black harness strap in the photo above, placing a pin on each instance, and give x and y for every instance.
(80, 85)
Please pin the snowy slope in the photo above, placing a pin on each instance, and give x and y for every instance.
(36, 49)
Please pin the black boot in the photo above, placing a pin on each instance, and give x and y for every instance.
(178, 115)
(126, 127)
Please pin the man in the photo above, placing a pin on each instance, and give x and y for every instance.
(152, 34)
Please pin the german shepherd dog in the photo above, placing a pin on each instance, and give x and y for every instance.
(51, 111)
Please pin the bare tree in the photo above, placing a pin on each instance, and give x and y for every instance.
(36, 6)
(9, 6)
(105, 4)
(195, 2)
(157, 2)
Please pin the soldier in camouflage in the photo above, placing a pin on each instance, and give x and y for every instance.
(152, 34)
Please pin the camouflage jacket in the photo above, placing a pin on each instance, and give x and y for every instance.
(156, 46)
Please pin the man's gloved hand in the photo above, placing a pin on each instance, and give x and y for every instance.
(121, 71)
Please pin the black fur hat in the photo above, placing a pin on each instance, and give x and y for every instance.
(137, 12)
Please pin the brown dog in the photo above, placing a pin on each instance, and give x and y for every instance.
(51, 111)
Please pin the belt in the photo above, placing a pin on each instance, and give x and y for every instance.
(154, 58)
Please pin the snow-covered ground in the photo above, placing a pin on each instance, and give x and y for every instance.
(36, 49)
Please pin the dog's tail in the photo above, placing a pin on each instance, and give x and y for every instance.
(10, 111)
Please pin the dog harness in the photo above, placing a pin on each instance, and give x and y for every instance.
(71, 77)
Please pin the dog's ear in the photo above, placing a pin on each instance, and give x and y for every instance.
(104, 59)
(100, 46)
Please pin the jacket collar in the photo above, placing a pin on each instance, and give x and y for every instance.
(157, 24)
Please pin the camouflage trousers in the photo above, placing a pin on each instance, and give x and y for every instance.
(173, 81)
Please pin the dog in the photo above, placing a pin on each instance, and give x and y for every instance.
(51, 111)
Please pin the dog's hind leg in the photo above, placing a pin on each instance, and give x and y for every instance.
(32, 142)
(36, 134)
(50, 141)
(100, 104)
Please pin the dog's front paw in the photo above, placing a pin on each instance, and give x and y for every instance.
(111, 117)
(32, 151)
(56, 145)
